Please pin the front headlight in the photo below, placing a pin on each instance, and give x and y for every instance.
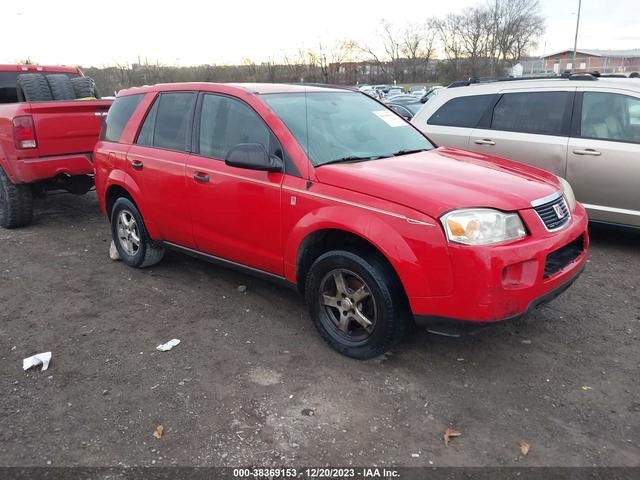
(568, 193)
(482, 226)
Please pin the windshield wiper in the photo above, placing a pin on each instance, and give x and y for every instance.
(353, 159)
(408, 152)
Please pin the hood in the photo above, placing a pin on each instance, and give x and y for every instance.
(444, 179)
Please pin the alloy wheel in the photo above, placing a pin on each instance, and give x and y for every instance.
(128, 233)
(348, 305)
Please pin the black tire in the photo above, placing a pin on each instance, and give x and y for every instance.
(84, 87)
(33, 87)
(146, 254)
(61, 87)
(16, 203)
(387, 305)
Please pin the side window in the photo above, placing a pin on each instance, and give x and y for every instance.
(145, 137)
(462, 111)
(543, 113)
(226, 122)
(119, 114)
(610, 116)
(168, 123)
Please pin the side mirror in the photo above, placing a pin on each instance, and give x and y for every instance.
(254, 157)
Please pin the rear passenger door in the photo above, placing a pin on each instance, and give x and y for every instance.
(452, 124)
(235, 211)
(604, 154)
(528, 126)
(156, 163)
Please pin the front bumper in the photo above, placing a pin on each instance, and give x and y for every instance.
(454, 327)
(500, 282)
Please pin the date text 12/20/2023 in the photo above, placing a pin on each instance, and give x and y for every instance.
(315, 472)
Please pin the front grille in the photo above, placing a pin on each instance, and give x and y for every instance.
(562, 257)
(549, 215)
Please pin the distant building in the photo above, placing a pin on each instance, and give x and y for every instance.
(604, 61)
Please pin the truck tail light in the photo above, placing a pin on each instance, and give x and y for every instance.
(24, 132)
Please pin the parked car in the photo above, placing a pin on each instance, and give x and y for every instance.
(393, 91)
(432, 92)
(405, 110)
(418, 91)
(47, 135)
(327, 190)
(369, 90)
(583, 128)
(404, 98)
(381, 90)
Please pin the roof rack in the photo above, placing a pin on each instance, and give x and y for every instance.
(588, 76)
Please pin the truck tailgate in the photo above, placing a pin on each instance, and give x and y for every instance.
(66, 127)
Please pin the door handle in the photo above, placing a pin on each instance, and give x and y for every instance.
(201, 177)
(587, 151)
(486, 141)
(137, 164)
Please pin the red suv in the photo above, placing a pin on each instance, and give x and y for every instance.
(328, 190)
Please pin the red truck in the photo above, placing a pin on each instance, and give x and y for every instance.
(328, 190)
(49, 123)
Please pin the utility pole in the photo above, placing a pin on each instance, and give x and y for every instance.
(575, 43)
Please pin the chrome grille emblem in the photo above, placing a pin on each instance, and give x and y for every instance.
(559, 211)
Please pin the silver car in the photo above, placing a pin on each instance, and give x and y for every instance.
(583, 128)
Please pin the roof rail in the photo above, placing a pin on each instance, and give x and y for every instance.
(589, 76)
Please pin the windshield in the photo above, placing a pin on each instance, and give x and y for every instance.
(344, 126)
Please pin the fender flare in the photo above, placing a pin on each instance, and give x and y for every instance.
(119, 178)
(388, 241)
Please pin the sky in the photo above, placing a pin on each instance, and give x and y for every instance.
(191, 32)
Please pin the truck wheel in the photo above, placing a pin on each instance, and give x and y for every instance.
(130, 236)
(16, 203)
(33, 87)
(61, 87)
(84, 87)
(356, 303)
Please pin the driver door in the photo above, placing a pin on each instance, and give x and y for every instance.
(235, 212)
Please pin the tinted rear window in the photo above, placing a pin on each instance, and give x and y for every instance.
(542, 113)
(173, 122)
(168, 123)
(119, 114)
(462, 111)
(8, 87)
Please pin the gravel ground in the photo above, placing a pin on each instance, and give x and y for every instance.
(240, 387)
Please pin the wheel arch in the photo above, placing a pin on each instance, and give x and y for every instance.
(121, 185)
(323, 240)
(319, 232)
(113, 193)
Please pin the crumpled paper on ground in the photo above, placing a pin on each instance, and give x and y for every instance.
(165, 347)
(35, 360)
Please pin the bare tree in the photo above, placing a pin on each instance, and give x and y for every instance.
(417, 48)
(475, 38)
(518, 24)
(488, 38)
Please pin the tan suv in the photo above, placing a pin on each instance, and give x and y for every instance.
(585, 129)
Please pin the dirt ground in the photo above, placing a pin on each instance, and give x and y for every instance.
(565, 379)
